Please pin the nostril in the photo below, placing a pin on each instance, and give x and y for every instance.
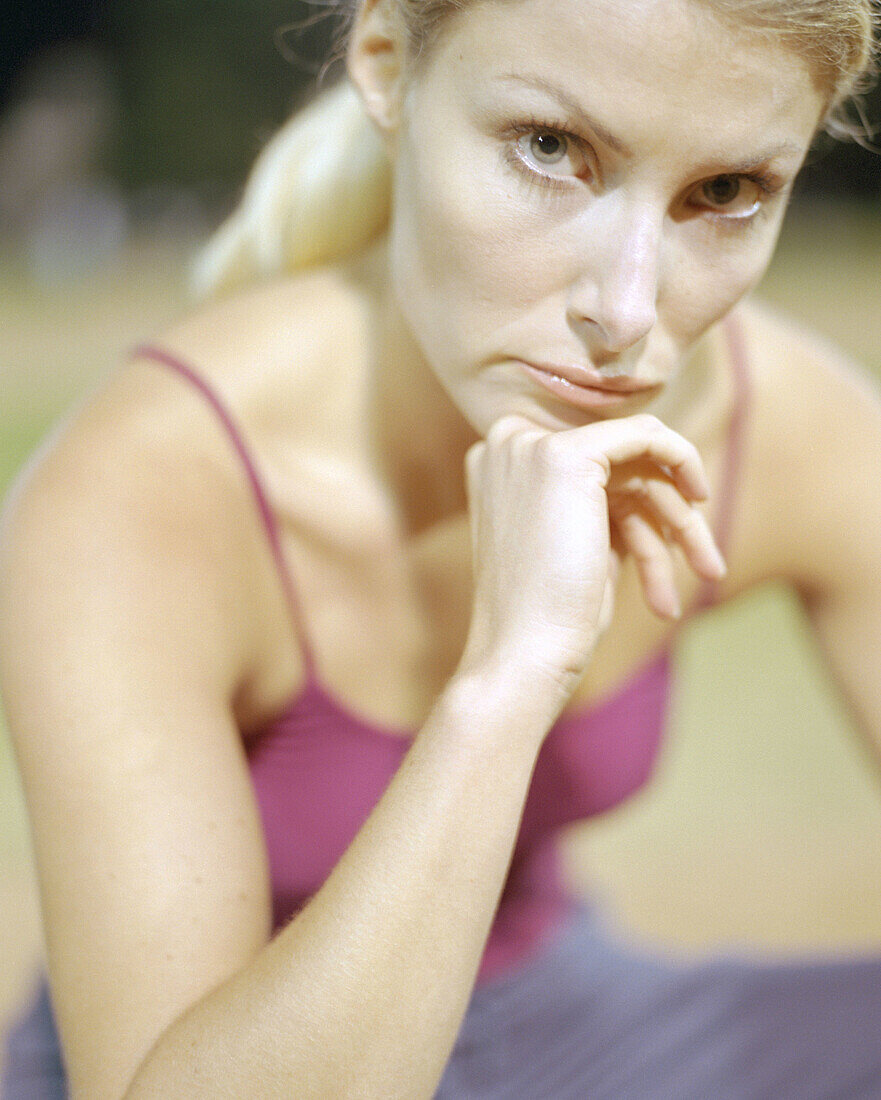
(614, 334)
(615, 313)
(624, 323)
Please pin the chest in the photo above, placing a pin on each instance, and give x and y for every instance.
(387, 625)
(386, 619)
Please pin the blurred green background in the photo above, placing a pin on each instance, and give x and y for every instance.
(125, 132)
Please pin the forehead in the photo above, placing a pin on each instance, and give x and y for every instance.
(663, 71)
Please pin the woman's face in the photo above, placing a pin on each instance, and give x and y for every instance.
(584, 187)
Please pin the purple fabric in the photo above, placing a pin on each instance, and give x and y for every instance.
(339, 766)
(33, 1069)
(593, 1015)
(597, 1016)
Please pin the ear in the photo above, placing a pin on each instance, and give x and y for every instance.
(376, 60)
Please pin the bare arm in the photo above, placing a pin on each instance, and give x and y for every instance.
(125, 648)
(818, 504)
(841, 571)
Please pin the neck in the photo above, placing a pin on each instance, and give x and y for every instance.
(418, 436)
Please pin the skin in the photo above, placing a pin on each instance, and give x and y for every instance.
(607, 258)
(615, 255)
(132, 547)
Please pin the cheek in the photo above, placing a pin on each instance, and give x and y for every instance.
(462, 229)
(713, 274)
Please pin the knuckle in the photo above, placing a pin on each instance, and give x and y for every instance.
(557, 455)
(553, 451)
(499, 430)
(688, 525)
(655, 562)
(652, 424)
(475, 451)
(636, 488)
(632, 526)
(599, 467)
(505, 428)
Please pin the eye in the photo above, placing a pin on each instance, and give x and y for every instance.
(551, 154)
(548, 148)
(731, 196)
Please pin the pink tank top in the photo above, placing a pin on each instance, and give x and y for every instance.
(318, 769)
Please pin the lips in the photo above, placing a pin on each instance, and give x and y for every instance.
(594, 380)
(588, 389)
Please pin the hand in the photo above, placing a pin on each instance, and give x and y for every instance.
(543, 506)
(648, 516)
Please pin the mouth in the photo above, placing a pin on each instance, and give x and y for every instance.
(589, 389)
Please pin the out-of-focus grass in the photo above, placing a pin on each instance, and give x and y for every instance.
(57, 341)
(762, 826)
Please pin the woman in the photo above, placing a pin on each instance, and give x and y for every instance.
(239, 604)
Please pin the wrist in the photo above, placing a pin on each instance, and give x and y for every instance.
(503, 697)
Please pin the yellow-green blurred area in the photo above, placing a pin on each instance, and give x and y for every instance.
(763, 825)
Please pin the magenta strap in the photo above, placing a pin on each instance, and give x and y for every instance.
(159, 355)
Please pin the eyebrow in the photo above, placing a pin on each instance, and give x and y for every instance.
(572, 106)
(605, 135)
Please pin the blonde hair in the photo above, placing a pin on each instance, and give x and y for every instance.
(321, 188)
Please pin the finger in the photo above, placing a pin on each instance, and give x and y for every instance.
(616, 547)
(653, 562)
(687, 525)
(509, 425)
(644, 436)
(474, 456)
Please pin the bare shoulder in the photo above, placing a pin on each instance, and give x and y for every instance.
(292, 345)
(126, 508)
(141, 480)
(808, 395)
(291, 359)
(787, 356)
(815, 445)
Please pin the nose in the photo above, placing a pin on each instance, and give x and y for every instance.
(613, 302)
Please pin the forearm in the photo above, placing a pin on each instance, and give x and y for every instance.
(362, 995)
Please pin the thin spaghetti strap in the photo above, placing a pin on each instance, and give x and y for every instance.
(733, 458)
(270, 524)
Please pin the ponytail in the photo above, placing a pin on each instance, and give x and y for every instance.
(319, 191)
